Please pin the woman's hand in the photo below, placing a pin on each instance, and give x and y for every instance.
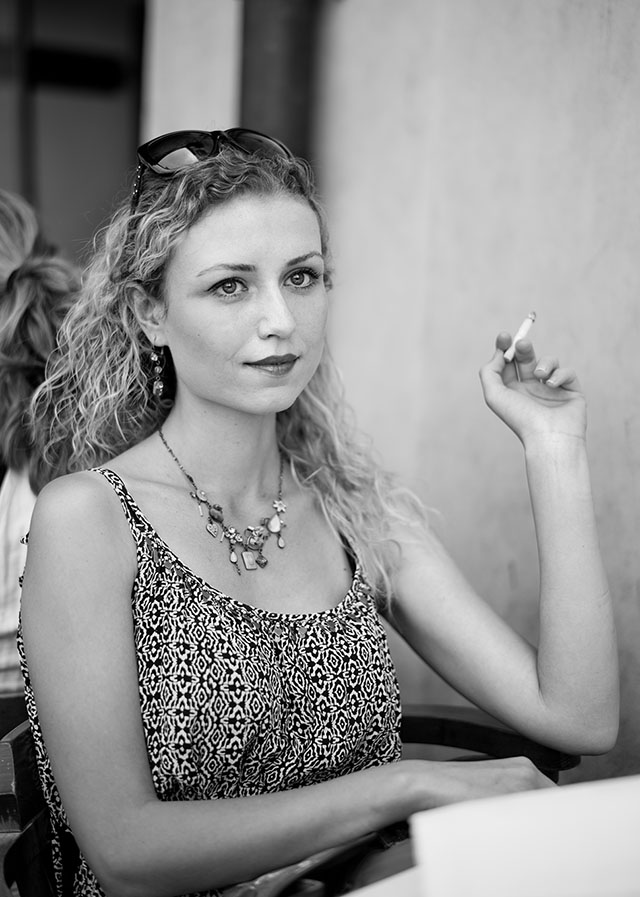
(535, 397)
(449, 782)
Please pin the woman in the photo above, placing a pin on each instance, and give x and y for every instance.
(36, 289)
(204, 657)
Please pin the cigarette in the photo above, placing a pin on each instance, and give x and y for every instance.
(521, 332)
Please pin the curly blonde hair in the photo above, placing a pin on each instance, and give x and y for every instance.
(37, 287)
(97, 400)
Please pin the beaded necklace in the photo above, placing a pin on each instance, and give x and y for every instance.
(251, 541)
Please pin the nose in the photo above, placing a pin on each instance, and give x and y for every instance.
(276, 318)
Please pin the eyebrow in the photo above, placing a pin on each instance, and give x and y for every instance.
(240, 266)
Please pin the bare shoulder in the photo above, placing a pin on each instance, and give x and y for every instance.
(79, 515)
(83, 497)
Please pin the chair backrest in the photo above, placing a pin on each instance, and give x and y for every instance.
(24, 820)
(13, 710)
(470, 729)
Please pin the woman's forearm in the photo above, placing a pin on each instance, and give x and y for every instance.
(577, 653)
(166, 848)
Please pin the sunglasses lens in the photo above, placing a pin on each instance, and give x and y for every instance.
(174, 151)
(180, 158)
(254, 142)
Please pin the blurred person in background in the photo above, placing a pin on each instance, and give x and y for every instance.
(36, 289)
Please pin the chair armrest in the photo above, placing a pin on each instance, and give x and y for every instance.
(7, 840)
(473, 730)
(20, 793)
(27, 860)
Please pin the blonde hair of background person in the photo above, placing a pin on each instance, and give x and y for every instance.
(36, 289)
(253, 719)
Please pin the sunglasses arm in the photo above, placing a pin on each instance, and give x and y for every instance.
(137, 184)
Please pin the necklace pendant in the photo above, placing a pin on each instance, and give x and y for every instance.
(261, 561)
(233, 558)
(215, 513)
(212, 529)
(281, 542)
(275, 524)
(249, 560)
(255, 537)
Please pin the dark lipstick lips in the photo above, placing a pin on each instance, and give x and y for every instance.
(274, 359)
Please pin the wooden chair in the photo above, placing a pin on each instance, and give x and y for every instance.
(25, 859)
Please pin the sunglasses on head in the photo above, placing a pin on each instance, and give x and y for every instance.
(172, 152)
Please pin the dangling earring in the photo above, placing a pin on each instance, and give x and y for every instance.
(158, 361)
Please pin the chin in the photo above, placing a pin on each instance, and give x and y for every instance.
(272, 404)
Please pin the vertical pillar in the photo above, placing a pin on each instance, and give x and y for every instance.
(278, 69)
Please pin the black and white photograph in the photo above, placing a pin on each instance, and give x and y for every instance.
(319, 448)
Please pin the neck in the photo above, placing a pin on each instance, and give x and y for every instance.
(234, 459)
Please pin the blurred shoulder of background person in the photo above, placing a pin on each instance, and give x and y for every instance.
(37, 286)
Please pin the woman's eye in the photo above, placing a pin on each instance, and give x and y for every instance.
(228, 288)
(303, 278)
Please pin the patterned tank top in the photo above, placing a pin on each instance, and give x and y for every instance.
(237, 700)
